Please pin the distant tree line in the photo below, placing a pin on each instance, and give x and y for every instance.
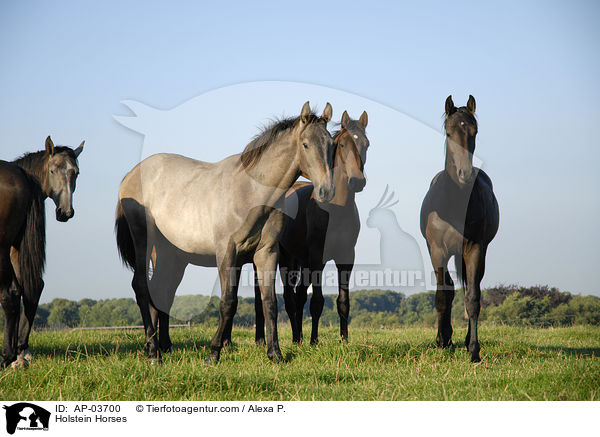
(512, 305)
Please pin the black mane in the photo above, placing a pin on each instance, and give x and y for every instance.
(29, 161)
(267, 136)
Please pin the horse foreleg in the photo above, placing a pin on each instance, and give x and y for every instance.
(259, 336)
(316, 303)
(343, 299)
(444, 296)
(474, 258)
(288, 276)
(266, 263)
(229, 274)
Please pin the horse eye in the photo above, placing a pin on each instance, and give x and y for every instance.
(52, 171)
(343, 145)
(305, 145)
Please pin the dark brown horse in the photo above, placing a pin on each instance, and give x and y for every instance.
(459, 217)
(316, 232)
(24, 185)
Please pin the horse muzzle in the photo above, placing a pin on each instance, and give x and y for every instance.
(325, 193)
(64, 215)
(357, 184)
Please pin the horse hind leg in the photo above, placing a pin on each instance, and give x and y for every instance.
(10, 300)
(168, 270)
(160, 320)
(138, 228)
(31, 300)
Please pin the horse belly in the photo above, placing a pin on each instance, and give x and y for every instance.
(189, 231)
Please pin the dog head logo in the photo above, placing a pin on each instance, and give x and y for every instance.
(26, 416)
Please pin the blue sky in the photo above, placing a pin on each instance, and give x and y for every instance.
(533, 69)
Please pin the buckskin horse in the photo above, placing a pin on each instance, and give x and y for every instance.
(459, 217)
(176, 211)
(24, 185)
(316, 232)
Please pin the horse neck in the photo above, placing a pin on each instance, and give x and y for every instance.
(447, 158)
(277, 169)
(343, 195)
(36, 165)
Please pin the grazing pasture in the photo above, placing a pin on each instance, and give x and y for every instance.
(518, 363)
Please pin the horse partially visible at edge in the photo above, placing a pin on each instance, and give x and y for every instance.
(24, 185)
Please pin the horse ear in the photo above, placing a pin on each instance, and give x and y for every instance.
(450, 108)
(471, 104)
(327, 112)
(345, 119)
(305, 113)
(364, 119)
(78, 150)
(49, 146)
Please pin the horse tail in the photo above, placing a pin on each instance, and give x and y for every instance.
(124, 239)
(32, 249)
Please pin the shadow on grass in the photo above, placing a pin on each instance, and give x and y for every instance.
(128, 344)
(572, 351)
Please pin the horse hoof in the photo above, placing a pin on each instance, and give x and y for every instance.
(475, 358)
(19, 363)
(167, 350)
(227, 342)
(27, 355)
(155, 361)
(260, 341)
(276, 357)
(213, 358)
(314, 341)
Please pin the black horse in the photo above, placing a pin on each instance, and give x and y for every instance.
(459, 217)
(24, 185)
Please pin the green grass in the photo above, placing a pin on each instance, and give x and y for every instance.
(396, 364)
